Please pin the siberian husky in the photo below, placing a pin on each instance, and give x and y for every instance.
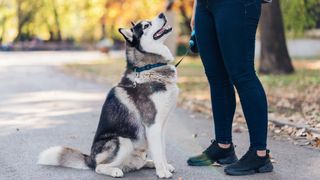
(135, 111)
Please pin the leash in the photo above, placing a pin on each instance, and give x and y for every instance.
(185, 54)
(191, 48)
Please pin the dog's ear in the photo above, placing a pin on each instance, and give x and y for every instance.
(127, 34)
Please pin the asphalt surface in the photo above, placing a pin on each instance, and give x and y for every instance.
(41, 107)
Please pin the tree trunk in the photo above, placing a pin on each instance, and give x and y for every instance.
(56, 21)
(23, 19)
(3, 29)
(274, 58)
(186, 18)
(19, 16)
(103, 27)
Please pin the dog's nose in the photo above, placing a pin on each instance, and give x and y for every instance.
(161, 15)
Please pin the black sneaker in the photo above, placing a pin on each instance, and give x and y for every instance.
(212, 154)
(250, 163)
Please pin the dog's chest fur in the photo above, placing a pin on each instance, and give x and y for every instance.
(140, 95)
(155, 91)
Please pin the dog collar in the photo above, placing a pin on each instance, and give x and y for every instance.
(147, 67)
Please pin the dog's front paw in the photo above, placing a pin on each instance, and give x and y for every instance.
(171, 168)
(110, 171)
(164, 174)
(117, 173)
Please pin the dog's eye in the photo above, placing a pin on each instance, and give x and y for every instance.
(146, 26)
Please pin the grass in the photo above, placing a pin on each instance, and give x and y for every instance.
(301, 79)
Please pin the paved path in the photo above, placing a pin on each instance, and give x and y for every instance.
(298, 48)
(41, 107)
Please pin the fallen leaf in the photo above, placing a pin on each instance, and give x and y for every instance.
(300, 132)
(277, 131)
(309, 136)
(316, 142)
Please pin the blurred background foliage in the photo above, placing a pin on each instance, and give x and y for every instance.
(92, 20)
(300, 15)
(80, 20)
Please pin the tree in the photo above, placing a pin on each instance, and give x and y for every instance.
(25, 11)
(186, 17)
(56, 16)
(48, 15)
(300, 15)
(3, 19)
(3, 29)
(274, 58)
(7, 15)
(185, 10)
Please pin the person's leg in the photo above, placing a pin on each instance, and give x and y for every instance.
(222, 91)
(236, 22)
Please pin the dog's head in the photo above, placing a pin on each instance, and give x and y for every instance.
(145, 41)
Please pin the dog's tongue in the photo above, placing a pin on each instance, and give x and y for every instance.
(160, 31)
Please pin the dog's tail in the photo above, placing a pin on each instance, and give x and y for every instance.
(63, 156)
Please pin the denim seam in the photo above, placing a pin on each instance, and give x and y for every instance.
(246, 3)
(226, 120)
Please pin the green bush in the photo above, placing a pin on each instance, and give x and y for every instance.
(300, 15)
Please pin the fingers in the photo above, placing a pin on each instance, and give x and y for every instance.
(192, 23)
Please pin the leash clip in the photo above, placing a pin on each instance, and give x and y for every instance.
(134, 84)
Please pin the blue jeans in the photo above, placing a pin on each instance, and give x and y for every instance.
(225, 33)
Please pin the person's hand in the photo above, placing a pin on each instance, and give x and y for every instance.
(193, 14)
(192, 22)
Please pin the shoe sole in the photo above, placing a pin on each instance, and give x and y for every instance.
(224, 161)
(264, 169)
(201, 163)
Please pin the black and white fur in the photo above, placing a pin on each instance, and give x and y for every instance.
(135, 112)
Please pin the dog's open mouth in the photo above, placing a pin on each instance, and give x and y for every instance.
(162, 31)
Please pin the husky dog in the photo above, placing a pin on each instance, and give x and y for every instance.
(135, 112)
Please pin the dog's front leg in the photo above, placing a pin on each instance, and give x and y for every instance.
(154, 133)
(169, 166)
